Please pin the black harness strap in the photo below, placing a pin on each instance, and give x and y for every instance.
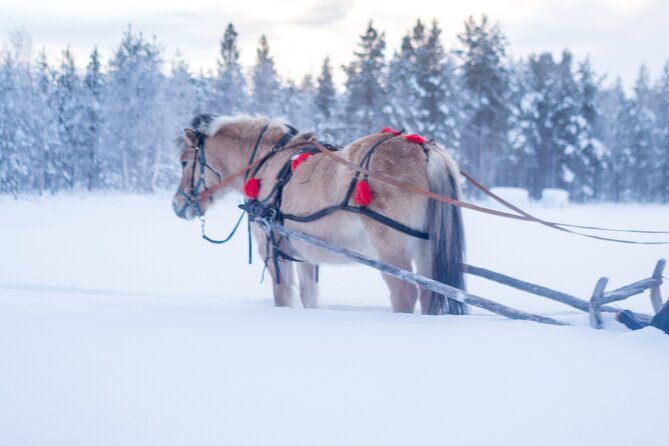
(269, 208)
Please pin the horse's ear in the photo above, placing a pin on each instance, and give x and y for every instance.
(191, 137)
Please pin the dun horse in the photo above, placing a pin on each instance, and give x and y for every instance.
(305, 190)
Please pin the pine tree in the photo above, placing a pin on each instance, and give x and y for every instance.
(366, 106)
(91, 129)
(325, 99)
(616, 134)
(40, 126)
(436, 80)
(643, 128)
(487, 90)
(590, 160)
(134, 111)
(662, 144)
(403, 89)
(229, 96)
(68, 103)
(265, 82)
(550, 119)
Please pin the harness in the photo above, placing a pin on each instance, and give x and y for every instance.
(269, 208)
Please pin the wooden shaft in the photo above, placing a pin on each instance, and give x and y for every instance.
(533, 288)
(413, 278)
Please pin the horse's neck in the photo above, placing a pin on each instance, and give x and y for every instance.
(244, 155)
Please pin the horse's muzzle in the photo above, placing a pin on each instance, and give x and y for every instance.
(184, 209)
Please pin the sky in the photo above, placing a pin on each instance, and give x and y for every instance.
(618, 35)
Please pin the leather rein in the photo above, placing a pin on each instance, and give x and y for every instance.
(195, 197)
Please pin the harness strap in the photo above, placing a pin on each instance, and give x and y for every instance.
(270, 207)
(255, 148)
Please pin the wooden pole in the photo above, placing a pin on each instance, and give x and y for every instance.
(410, 277)
(655, 296)
(595, 303)
(534, 289)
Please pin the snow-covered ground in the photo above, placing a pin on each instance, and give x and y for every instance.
(119, 326)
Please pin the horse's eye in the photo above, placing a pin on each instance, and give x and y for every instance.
(184, 164)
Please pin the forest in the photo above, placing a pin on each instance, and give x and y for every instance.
(541, 121)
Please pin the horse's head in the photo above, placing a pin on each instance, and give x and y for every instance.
(196, 176)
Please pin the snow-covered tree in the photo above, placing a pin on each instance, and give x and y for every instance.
(589, 161)
(366, 106)
(229, 95)
(325, 99)
(93, 121)
(643, 131)
(661, 168)
(67, 98)
(616, 134)
(403, 89)
(266, 87)
(484, 135)
(133, 108)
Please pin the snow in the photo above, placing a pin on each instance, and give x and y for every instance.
(554, 197)
(514, 195)
(119, 326)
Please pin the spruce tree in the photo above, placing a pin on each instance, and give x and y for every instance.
(366, 105)
(133, 106)
(325, 99)
(616, 134)
(265, 82)
(486, 98)
(662, 138)
(68, 96)
(229, 96)
(643, 131)
(589, 161)
(91, 129)
(403, 90)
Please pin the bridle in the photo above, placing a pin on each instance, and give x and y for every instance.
(192, 197)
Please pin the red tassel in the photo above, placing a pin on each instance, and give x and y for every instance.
(389, 130)
(251, 188)
(416, 139)
(298, 160)
(363, 194)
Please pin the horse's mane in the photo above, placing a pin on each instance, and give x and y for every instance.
(211, 124)
(246, 125)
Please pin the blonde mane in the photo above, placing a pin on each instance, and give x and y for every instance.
(253, 123)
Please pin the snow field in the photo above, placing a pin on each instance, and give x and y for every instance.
(118, 326)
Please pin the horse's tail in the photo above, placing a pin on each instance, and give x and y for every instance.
(447, 238)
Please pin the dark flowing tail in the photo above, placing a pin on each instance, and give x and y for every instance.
(447, 237)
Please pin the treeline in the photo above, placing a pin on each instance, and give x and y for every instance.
(533, 123)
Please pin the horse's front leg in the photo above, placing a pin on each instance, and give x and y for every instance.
(307, 274)
(283, 282)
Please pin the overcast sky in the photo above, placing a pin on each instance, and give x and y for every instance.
(619, 35)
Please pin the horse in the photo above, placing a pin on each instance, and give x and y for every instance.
(293, 181)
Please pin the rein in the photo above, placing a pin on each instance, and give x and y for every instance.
(524, 216)
(196, 196)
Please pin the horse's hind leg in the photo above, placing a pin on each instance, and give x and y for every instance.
(391, 250)
(307, 274)
(423, 261)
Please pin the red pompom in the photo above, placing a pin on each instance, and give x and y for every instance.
(363, 194)
(251, 188)
(298, 160)
(416, 139)
(389, 130)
